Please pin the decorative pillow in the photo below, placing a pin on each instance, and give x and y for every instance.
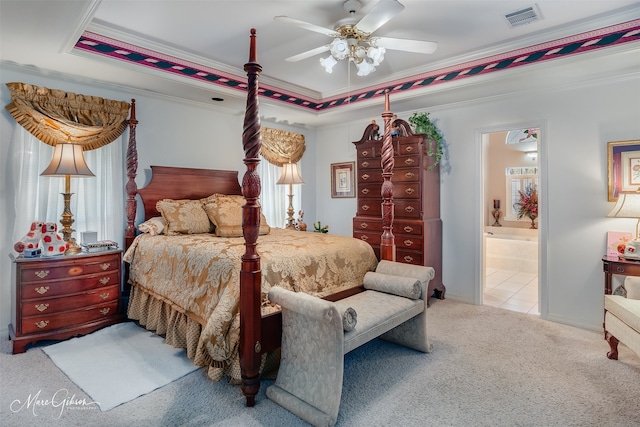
(632, 285)
(620, 290)
(184, 217)
(407, 287)
(153, 226)
(349, 316)
(225, 212)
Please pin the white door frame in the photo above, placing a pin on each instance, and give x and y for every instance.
(543, 221)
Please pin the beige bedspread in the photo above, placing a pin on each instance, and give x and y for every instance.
(199, 274)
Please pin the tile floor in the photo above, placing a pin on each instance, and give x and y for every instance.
(511, 290)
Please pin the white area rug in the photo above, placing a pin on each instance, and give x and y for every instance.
(117, 364)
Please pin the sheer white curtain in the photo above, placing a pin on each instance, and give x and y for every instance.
(97, 203)
(274, 198)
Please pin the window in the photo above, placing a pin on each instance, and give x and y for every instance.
(518, 179)
(274, 199)
(97, 203)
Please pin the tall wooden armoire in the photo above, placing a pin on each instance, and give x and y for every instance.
(417, 227)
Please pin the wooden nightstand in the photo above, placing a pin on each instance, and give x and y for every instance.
(56, 298)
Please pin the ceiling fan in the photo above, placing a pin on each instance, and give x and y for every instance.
(353, 39)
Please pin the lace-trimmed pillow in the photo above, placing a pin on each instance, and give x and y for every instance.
(225, 212)
(153, 226)
(184, 217)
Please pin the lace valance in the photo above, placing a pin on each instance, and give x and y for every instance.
(55, 116)
(280, 147)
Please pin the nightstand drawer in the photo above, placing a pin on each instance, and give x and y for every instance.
(38, 273)
(43, 323)
(45, 289)
(46, 306)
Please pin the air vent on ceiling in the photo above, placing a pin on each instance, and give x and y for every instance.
(523, 16)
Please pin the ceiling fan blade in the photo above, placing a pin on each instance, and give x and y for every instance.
(307, 54)
(416, 46)
(379, 15)
(306, 25)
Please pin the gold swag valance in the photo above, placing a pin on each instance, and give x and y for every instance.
(280, 147)
(55, 116)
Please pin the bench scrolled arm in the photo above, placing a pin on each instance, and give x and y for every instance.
(301, 303)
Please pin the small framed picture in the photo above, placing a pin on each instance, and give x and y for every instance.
(623, 167)
(342, 180)
(616, 242)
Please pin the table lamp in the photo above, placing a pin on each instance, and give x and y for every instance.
(628, 206)
(290, 176)
(68, 160)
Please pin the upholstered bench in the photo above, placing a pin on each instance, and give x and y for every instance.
(316, 334)
(622, 317)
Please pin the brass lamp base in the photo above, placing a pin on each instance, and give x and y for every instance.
(74, 248)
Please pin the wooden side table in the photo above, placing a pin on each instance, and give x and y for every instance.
(56, 298)
(614, 265)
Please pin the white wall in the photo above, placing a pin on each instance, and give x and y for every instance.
(169, 133)
(579, 123)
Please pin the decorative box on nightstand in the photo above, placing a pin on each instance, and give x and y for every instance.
(55, 298)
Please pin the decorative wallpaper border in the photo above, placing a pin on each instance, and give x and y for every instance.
(593, 40)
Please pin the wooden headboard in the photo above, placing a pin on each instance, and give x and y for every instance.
(185, 183)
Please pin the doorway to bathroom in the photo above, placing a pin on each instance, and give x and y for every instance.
(510, 235)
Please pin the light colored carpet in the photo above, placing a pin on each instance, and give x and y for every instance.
(119, 363)
(489, 367)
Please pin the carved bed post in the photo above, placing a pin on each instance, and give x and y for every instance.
(132, 169)
(250, 274)
(387, 244)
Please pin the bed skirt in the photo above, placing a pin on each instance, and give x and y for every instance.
(181, 331)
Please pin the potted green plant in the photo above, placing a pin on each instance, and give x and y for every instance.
(422, 124)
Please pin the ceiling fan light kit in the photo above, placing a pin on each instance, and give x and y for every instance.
(353, 40)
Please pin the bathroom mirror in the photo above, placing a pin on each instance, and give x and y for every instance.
(623, 167)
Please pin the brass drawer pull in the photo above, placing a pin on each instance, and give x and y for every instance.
(364, 225)
(410, 190)
(409, 174)
(409, 209)
(409, 161)
(42, 290)
(365, 238)
(408, 229)
(365, 191)
(42, 324)
(365, 207)
(105, 280)
(408, 258)
(620, 269)
(42, 273)
(408, 242)
(365, 153)
(365, 164)
(105, 311)
(408, 149)
(41, 307)
(104, 296)
(105, 266)
(365, 176)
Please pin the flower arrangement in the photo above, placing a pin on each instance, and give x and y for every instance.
(318, 228)
(528, 204)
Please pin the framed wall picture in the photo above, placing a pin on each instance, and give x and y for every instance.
(343, 179)
(623, 167)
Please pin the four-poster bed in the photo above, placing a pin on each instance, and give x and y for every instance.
(229, 328)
